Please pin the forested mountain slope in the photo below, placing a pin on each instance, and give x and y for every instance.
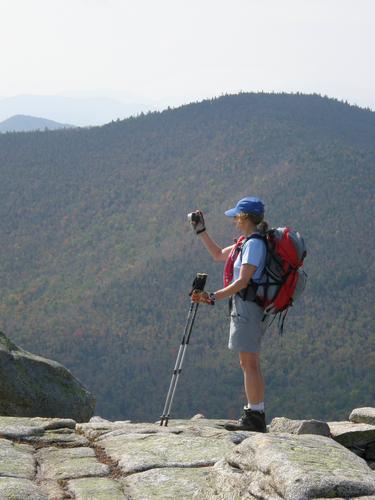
(97, 257)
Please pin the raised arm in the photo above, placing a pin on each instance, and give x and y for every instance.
(217, 253)
(198, 224)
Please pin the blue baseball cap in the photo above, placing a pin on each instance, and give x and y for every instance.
(248, 205)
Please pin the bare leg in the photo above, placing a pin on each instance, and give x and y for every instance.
(253, 378)
(252, 419)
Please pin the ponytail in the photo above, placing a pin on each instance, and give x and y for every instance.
(261, 225)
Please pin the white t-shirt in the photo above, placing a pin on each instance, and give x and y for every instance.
(254, 253)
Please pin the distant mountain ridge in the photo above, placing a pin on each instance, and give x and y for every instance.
(82, 110)
(97, 257)
(24, 123)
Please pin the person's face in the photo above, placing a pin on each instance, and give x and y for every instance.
(240, 222)
(243, 224)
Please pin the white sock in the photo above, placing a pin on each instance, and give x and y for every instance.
(257, 407)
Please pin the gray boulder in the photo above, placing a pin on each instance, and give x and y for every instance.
(352, 435)
(282, 424)
(363, 416)
(33, 386)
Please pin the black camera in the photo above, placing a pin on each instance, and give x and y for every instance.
(199, 283)
(194, 217)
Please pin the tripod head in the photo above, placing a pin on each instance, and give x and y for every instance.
(199, 283)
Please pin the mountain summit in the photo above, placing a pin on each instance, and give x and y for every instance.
(24, 123)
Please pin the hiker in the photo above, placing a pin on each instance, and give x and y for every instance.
(244, 262)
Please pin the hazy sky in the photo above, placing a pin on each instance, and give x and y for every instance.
(175, 51)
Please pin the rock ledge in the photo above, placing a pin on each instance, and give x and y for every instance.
(43, 458)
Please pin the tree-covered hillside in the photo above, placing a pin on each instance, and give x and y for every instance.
(97, 257)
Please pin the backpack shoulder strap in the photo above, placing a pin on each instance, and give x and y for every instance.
(251, 289)
(255, 236)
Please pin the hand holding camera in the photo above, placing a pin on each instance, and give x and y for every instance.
(196, 219)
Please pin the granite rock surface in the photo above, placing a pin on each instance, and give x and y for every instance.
(51, 458)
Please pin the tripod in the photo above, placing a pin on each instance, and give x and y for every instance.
(198, 284)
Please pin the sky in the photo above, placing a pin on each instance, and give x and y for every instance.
(179, 51)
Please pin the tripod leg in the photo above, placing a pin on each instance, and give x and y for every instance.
(171, 387)
(178, 364)
(198, 284)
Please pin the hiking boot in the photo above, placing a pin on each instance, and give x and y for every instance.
(250, 421)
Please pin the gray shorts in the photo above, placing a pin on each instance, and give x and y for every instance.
(246, 326)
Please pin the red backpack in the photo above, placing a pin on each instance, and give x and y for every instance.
(283, 280)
